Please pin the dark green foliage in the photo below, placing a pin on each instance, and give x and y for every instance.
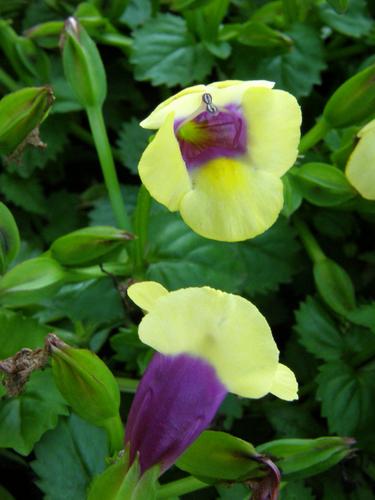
(319, 300)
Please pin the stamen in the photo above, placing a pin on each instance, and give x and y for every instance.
(207, 99)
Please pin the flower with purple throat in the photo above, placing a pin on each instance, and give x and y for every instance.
(208, 343)
(219, 153)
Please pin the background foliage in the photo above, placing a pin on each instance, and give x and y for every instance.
(323, 322)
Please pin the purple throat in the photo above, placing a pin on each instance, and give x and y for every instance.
(217, 133)
(175, 402)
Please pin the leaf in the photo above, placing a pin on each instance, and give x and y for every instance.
(355, 22)
(164, 52)
(364, 315)
(9, 238)
(296, 70)
(18, 331)
(317, 331)
(296, 490)
(4, 494)
(131, 142)
(136, 13)
(179, 258)
(81, 448)
(27, 417)
(270, 258)
(25, 193)
(291, 420)
(347, 396)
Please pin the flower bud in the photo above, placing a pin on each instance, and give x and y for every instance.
(9, 237)
(353, 101)
(302, 458)
(31, 280)
(89, 387)
(20, 113)
(88, 245)
(83, 66)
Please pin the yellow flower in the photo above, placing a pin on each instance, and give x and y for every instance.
(360, 169)
(224, 329)
(219, 153)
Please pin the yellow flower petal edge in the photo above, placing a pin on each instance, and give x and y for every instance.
(284, 385)
(162, 169)
(146, 293)
(360, 169)
(225, 329)
(189, 100)
(274, 120)
(231, 201)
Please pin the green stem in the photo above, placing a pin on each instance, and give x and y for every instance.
(181, 487)
(107, 163)
(309, 241)
(127, 384)
(141, 219)
(314, 135)
(115, 431)
(8, 81)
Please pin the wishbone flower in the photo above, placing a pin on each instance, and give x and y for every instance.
(209, 343)
(219, 153)
(360, 169)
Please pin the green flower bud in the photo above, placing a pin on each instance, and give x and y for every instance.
(353, 101)
(83, 66)
(88, 245)
(9, 237)
(30, 281)
(301, 458)
(89, 387)
(20, 113)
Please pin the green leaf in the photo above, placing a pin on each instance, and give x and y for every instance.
(292, 195)
(317, 331)
(296, 490)
(81, 448)
(165, 52)
(323, 185)
(335, 286)
(270, 258)
(179, 258)
(27, 417)
(18, 331)
(25, 193)
(136, 13)
(340, 6)
(347, 396)
(5, 495)
(363, 315)
(132, 141)
(255, 34)
(355, 22)
(296, 70)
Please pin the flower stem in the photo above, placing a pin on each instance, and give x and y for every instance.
(314, 135)
(141, 218)
(309, 241)
(115, 431)
(181, 487)
(127, 384)
(103, 148)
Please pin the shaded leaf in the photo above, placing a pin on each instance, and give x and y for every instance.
(131, 142)
(354, 22)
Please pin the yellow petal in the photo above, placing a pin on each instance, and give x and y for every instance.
(146, 293)
(231, 201)
(226, 330)
(189, 100)
(273, 120)
(360, 169)
(285, 384)
(162, 168)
